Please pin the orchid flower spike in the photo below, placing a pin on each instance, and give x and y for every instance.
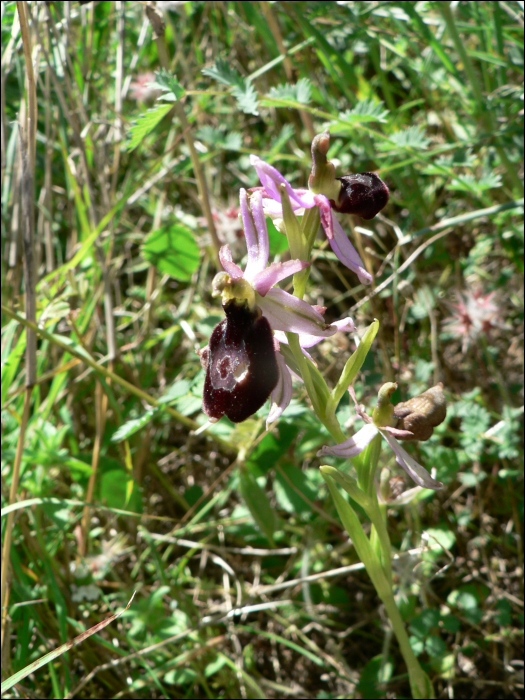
(241, 361)
(381, 422)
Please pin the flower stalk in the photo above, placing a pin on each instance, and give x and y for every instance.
(241, 374)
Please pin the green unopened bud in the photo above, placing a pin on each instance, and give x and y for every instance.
(422, 413)
(322, 178)
(383, 415)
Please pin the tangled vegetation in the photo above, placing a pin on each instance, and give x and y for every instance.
(127, 131)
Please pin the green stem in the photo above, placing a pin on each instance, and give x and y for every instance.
(316, 387)
(419, 682)
(310, 226)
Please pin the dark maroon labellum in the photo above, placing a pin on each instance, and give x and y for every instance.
(364, 194)
(241, 368)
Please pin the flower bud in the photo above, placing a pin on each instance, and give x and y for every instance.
(322, 177)
(241, 367)
(364, 194)
(421, 414)
(383, 414)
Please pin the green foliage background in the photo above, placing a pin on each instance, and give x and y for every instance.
(429, 94)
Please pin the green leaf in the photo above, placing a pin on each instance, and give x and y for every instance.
(118, 490)
(476, 185)
(257, 503)
(352, 367)
(411, 137)
(175, 391)
(375, 673)
(246, 98)
(145, 124)
(166, 82)
(278, 241)
(288, 477)
(300, 92)
(242, 89)
(224, 73)
(216, 138)
(10, 362)
(133, 426)
(364, 111)
(172, 249)
(271, 448)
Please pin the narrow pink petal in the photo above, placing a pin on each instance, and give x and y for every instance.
(282, 394)
(257, 252)
(225, 256)
(398, 433)
(325, 212)
(250, 234)
(283, 339)
(272, 208)
(277, 271)
(288, 313)
(414, 470)
(307, 341)
(353, 446)
(271, 179)
(347, 254)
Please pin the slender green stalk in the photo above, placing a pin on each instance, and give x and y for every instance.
(419, 683)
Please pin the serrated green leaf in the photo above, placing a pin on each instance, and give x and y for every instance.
(145, 124)
(411, 137)
(246, 98)
(172, 249)
(169, 85)
(300, 92)
(364, 111)
(175, 391)
(476, 185)
(232, 141)
(224, 73)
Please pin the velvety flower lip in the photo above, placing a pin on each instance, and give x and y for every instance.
(356, 444)
(271, 179)
(364, 194)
